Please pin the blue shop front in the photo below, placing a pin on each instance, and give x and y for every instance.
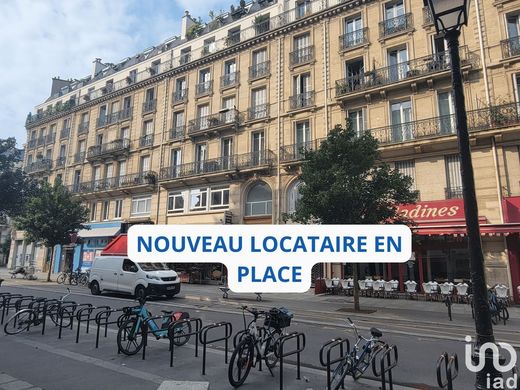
(89, 245)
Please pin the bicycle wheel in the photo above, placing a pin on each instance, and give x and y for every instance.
(54, 315)
(271, 345)
(61, 278)
(359, 368)
(241, 362)
(179, 331)
(83, 280)
(73, 279)
(340, 372)
(130, 337)
(19, 322)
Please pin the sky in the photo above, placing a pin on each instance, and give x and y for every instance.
(41, 39)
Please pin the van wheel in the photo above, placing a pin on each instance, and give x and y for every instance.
(94, 288)
(140, 292)
(170, 296)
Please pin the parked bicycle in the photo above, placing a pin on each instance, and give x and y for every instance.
(257, 343)
(497, 308)
(130, 334)
(359, 358)
(34, 314)
(73, 278)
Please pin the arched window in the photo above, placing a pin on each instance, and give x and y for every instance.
(259, 200)
(293, 196)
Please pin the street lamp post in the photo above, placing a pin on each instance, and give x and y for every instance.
(449, 16)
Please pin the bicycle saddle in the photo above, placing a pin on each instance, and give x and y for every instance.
(167, 311)
(376, 332)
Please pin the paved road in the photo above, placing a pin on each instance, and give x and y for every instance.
(419, 329)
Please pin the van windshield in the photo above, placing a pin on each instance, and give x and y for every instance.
(155, 267)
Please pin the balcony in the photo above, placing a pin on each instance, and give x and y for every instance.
(301, 100)
(180, 96)
(177, 133)
(297, 151)
(262, 27)
(43, 165)
(427, 16)
(146, 141)
(238, 162)
(79, 157)
(301, 56)
(260, 111)
(83, 128)
(229, 119)
(40, 141)
(60, 162)
(229, 80)
(510, 47)
(65, 133)
(149, 106)
(404, 71)
(31, 143)
(148, 178)
(115, 148)
(103, 120)
(232, 38)
(184, 58)
(50, 138)
(353, 39)
(453, 192)
(125, 113)
(204, 88)
(262, 69)
(397, 25)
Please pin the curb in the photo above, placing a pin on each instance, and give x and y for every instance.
(183, 385)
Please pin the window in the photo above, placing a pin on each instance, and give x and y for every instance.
(258, 103)
(302, 83)
(407, 168)
(226, 152)
(141, 205)
(200, 156)
(93, 211)
(453, 176)
(62, 151)
(228, 109)
(125, 133)
(144, 165)
(150, 93)
(209, 46)
(302, 50)
(176, 202)
(198, 199)
(122, 168)
(356, 121)
(230, 67)
(29, 159)
(99, 139)
(185, 55)
(178, 120)
(106, 210)
(303, 7)
(513, 26)
(446, 112)
(259, 200)
(132, 76)
(398, 64)
(303, 95)
(219, 197)
(401, 116)
(353, 28)
(109, 171)
(293, 196)
(175, 162)
(202, 116)
(204, 76)
(118, 209)
(302, 133)
(257, 147)
(129, 266)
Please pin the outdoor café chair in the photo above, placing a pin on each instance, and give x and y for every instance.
(462, 292)
(501, 292)
(411, 288)
(345, 286)
(389, 289)
(328, 286)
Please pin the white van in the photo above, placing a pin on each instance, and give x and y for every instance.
(120, 274)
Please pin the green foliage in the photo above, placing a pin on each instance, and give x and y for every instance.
(52, 216)
(195, 29)
(345, 182)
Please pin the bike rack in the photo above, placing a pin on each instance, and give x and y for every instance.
(102, 319)
(281, 353)
(203, 338)
(85, 315)
(146, 330)
(450, 366)
(196, 333)
(7, 305)
(73, 307)
(343, 345)
(448, 302)
(20, 303)
(387, 362)
(36, 305)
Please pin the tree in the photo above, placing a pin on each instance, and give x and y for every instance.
(15, 186)
(346, 182)
(51, 217)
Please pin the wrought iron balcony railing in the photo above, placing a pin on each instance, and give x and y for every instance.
(60, 162)
(262, 27)
(297, 151)
(65, 133)
(260, 111)
(79, 157)
(262, 69)
(116, 147)
(353, 39)
(301, 56)
(112, 183)
(453, 192)
(83, 127)
(146, 141)
(301, 100)
(221, 120)
(102, 121)
(42, 165)
(395, 25)
(233, 38)
(125, 113)
(180, 96)
(222, 164)
(427, 16)
(229, 80)
(149, 106)
(204, 88)
(510, 47)
(50, 138)
(435, 63)
(177, 132)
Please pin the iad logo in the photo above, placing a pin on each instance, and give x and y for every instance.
(497, 383)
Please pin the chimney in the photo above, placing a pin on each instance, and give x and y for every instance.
(187, 22)
(97, 66)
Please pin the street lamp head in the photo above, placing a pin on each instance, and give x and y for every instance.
(449, 15)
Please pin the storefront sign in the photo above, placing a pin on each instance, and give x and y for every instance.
(435, 210)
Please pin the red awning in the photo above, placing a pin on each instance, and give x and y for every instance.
(460, 230)
(116, 247)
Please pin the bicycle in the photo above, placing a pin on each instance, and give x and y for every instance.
(359, 358)
(137, 319)
(83, 278)
(497, 308)
(34, 315)
(262, 340)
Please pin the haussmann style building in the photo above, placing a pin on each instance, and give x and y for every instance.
(209, 127)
